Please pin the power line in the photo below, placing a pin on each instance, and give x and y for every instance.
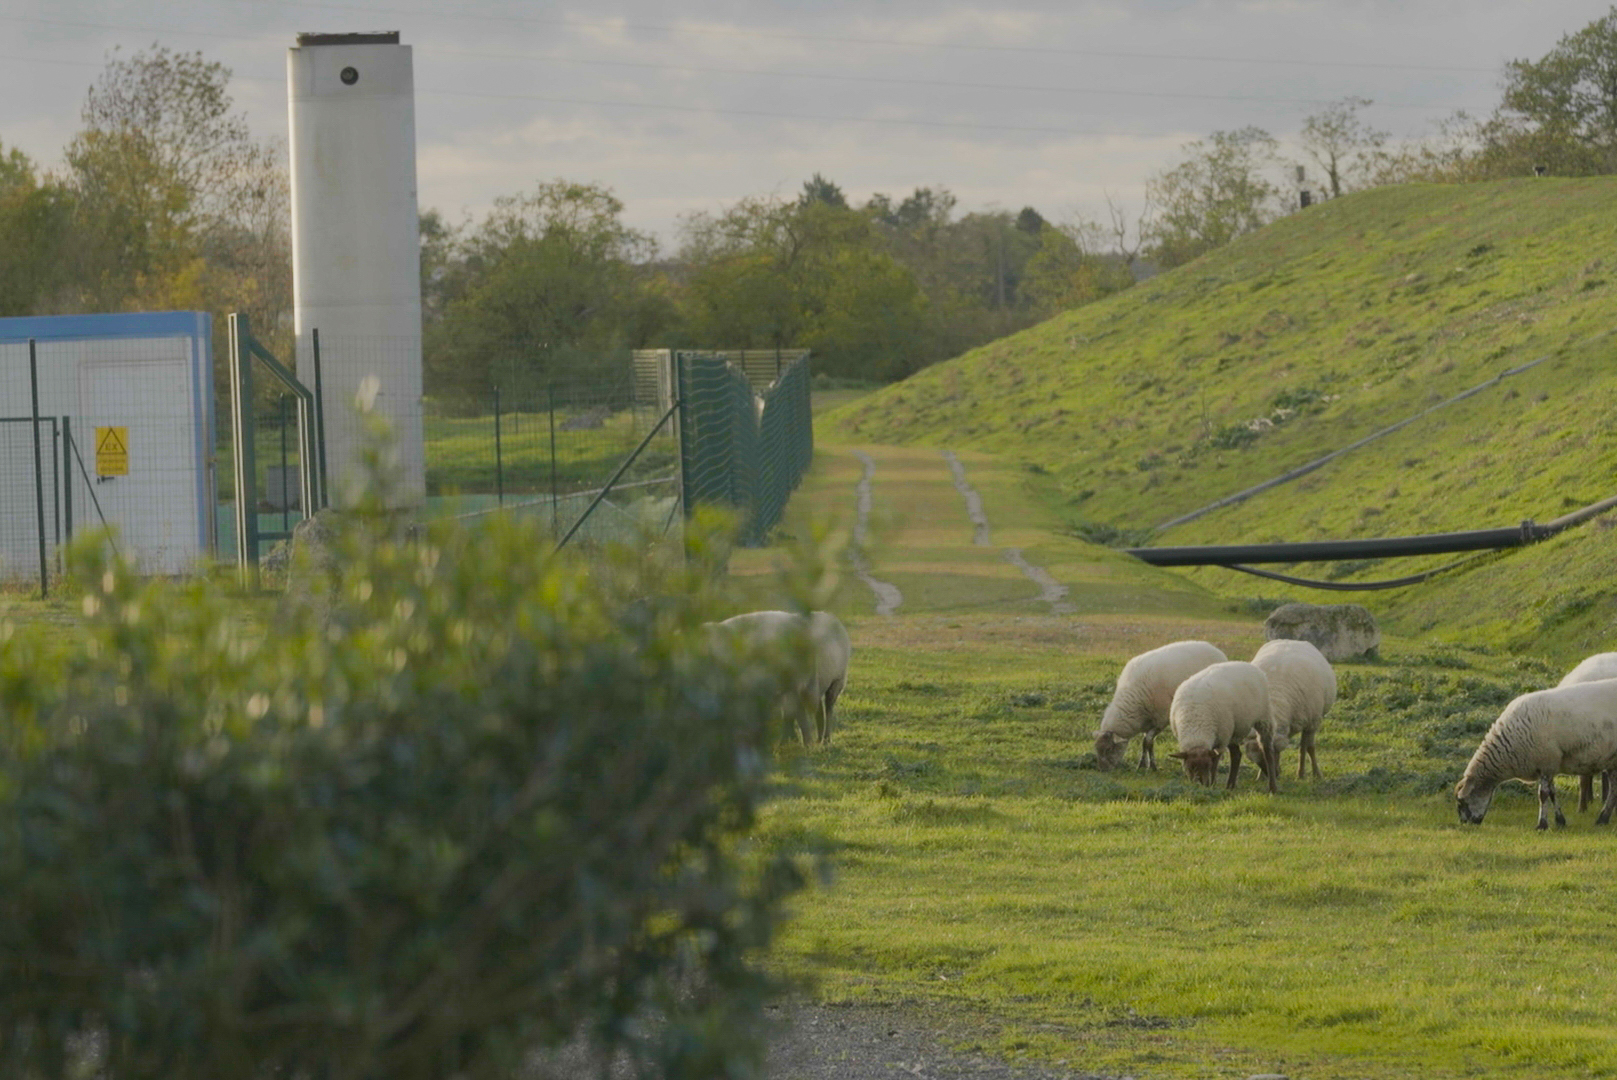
(763, 73)
(892, 81)
(461, 16)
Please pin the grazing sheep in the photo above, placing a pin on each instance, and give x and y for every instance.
(1144, 693)
(812, 703)
(1570, 729)
(1593, 669)
(1216, 708)
(1302, 689)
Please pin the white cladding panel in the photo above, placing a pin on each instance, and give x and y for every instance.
(356, 243)
(145, 378)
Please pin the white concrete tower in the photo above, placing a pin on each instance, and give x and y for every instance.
(356, 254)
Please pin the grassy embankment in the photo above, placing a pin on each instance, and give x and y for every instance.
(1135, 923)
(1330, 325)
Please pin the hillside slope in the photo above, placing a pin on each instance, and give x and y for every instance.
(1304, 337)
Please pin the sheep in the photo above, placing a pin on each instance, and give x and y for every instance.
(1216, 708)
(1594, 668)
(1302, 689)
(1570, 729)
(1144, 692)
(813, 699)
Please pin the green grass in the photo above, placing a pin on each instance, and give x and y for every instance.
(461, 455)
(1358, 313)
(1136, 923)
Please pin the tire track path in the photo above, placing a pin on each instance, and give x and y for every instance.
(888, 598)
(1051, 591)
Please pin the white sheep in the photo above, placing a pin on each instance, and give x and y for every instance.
(1593, 669)
(1215, 709)
(1302, 689)
(1144, 692)
(812, 702)
(1570, 729)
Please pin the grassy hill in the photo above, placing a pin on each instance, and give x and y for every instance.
(1303, 338)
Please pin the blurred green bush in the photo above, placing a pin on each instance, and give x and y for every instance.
(474, 801)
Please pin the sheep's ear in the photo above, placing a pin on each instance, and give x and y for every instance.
(1178, 755)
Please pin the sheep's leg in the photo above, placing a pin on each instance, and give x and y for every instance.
(806, 706)
(1272, 756)
(1235, 764)
(1608, 799)
(832, 692)
(1586, 791)
(1546, 799)
(1313, 755)
(1148, 751)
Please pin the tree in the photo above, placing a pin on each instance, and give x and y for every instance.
(1070, 269)
(1342, 144)
(1218, 193)
(1560, 111)
(818, 189)
(36, 235)
(174, 203)
(771, 274)
(546, 286)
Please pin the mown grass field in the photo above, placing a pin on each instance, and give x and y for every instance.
(1135, 923)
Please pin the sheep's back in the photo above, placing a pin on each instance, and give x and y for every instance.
(1592, 669)
(1146, 686)
(1569, 729)
(1302, 685)
(1219, 705)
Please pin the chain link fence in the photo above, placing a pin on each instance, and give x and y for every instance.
(746, 438)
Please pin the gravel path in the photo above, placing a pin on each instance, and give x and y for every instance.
(1051, 591)
(888, 598)
(827, 1042)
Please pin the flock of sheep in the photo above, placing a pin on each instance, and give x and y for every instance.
(1213, 704)
(1216, 705)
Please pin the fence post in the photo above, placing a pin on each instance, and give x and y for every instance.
(499, 453)
(39, 471)
(67, 476)
(682, 399)
(320, 425)
(555, 510)
(242, 433)
(286, 496)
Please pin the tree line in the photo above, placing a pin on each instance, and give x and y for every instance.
(166, 200)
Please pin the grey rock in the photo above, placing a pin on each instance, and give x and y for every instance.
(1340, 631)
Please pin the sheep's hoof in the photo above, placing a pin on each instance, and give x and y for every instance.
(1542, 825)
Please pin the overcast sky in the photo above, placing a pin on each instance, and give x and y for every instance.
(690, 107)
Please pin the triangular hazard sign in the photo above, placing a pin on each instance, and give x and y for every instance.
(110, 442)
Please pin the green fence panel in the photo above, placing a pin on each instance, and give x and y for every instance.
(743, 447)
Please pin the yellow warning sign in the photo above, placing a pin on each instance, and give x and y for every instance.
(112, 451)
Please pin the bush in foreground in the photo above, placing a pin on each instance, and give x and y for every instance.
(479, 801)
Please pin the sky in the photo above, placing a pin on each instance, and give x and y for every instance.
(682, 110)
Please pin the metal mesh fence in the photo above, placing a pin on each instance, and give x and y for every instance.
(126, 438)
(744, 445)
(549, 451)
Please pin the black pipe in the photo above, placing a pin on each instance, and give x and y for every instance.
(1326, 550)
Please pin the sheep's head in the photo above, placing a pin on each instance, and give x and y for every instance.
(1473, 797)
(1200, 765)
(1109, 749)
